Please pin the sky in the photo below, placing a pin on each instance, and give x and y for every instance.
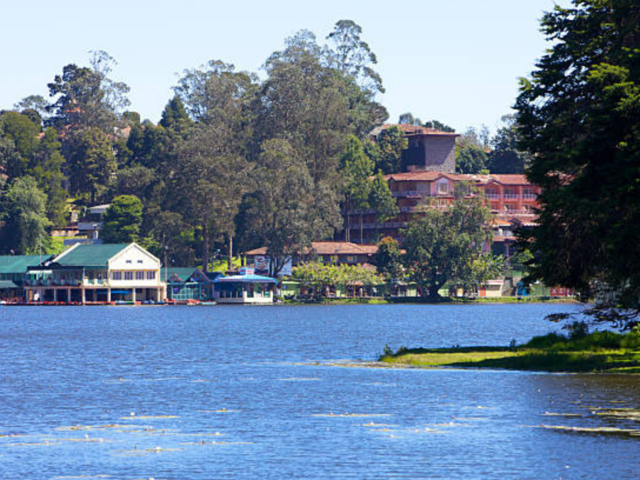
(457, 61)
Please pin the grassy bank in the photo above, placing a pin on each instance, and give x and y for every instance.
(597, 352)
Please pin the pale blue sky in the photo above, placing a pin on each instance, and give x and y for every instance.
(456, 61)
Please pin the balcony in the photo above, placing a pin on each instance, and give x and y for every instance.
(412, 193)
(511, 196)
(492, 196)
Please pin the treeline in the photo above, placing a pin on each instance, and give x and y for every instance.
(265, 162)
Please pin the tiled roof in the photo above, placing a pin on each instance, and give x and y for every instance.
(414, 130)
(424, 176)
(20, 263)
(89, 255)
(331, 248)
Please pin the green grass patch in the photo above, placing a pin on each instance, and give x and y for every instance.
(598, 352)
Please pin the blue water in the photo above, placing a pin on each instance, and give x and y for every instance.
(246, 392)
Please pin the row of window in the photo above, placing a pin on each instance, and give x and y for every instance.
(129, 275)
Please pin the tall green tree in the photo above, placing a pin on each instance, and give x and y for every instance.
(85, 97)
(46, 167)
(357, 169)
(441, 244)
(579, 117)
(391, 143)
(287, 211)
(353, 56)
(381, 200)
(21, 138)
(388, 259)
(24, 217)
(92, 163)
(121, 222)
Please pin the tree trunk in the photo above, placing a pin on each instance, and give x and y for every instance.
(361, 228)
(230, 258)
(347, 231)
(205, 248)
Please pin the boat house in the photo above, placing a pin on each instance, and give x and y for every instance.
(97, 274)
(13, 270)
(185, 284)
(245, 289)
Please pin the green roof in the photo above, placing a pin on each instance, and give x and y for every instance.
(182, 272)
(90, 255)
(20, 263)
(7, 284)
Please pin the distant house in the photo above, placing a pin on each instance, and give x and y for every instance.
(89, 226)
(334, 252)
(13, 271)
(97, 273)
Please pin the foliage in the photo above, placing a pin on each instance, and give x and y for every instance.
(91, 164)
(121, 222)
(507, 157)
(391, 143)
(24, 215)
(442, 246)
(357, 169)
(320, 276)
(389, 259)
(381, 199)
(287, 211)
(351, 55)
(85, 97)
(471, 159)
(579, 117)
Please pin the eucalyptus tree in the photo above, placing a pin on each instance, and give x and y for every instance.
(85, 97)
(287, 210)
(353, 56)
(213, 162)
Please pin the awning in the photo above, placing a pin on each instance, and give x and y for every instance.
(7, 285)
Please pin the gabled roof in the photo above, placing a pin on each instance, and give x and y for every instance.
(89, 255)
(182, 273)
(330, 248)
(20, 263)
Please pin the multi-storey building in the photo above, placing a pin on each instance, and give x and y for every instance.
(512, 199)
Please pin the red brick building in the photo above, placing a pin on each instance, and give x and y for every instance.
(512, 199)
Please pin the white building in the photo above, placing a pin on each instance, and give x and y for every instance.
(97, 273)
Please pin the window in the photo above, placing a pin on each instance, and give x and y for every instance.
(151, 275)
(117, 275)
(139, 261)
(128, 275)
(443, 187)
(139, 275)
(128, 261)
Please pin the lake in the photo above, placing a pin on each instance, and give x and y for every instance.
(246, 392)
